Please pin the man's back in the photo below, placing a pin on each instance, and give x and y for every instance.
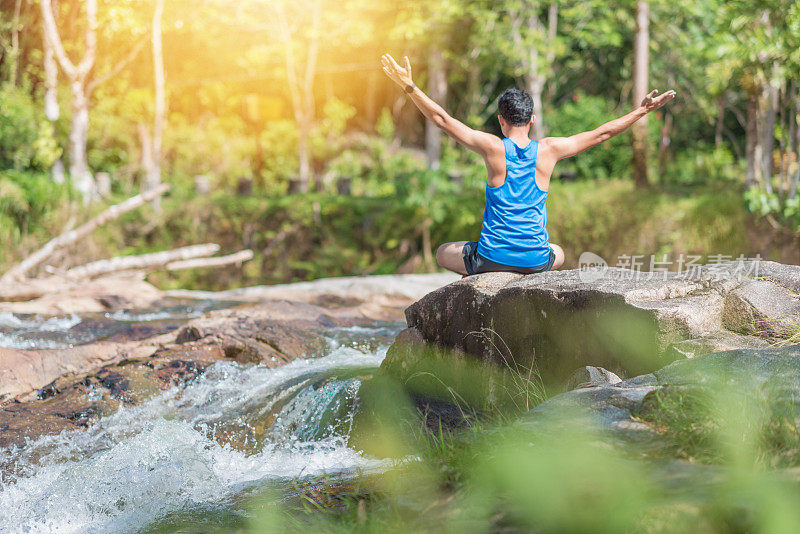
(514, 222)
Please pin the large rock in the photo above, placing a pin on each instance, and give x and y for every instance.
(562, 320)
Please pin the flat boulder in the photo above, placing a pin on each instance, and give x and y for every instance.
(628, 322)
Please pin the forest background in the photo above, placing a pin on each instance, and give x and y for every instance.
(277, 131)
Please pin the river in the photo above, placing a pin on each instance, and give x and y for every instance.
(194, 449)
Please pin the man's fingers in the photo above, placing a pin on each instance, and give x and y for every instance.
(408, 63)
(653, 93)
(392, 61)
(669, 95)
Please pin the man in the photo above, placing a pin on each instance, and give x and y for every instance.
(514, 236)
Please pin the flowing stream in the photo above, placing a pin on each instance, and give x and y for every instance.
(200, 447)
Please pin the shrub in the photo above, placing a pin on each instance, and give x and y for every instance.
(585, 112)
(26, 137)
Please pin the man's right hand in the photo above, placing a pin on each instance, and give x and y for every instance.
(399, 75)
(652, 101)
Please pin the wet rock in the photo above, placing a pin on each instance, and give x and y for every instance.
(590, 375)
(48, 391)
(22, 371)
(622, 410)
(187, 334)
(114, 381)
(179, 371)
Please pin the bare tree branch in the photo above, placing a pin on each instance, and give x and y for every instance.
(51, 33)
(238, 257)
(141, 261)
(86, 64)
(68, 238)
(132, 53)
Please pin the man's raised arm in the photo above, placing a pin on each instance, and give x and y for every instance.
(475, 140)
(566, 147)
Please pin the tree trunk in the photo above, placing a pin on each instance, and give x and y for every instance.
(534, 79)
(304, 155)
(301, 85)
(371, 99)
(13, 64)
(768, 135)
(80, 174)
(783, 157)
(663, 153)
(437, 90)
(535, 83)
(52, 110)
(720, 121)
(536, 75)
(148, 262)
(77, 74)
(641, 47)
(200, 263)
(752, 151)
(794, 137)
(146, 142)
(154, 177)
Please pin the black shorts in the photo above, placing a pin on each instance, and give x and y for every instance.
(475, 263)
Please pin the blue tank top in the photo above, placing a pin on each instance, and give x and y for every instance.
(515, 217)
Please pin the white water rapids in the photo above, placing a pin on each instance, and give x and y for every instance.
(233, 429)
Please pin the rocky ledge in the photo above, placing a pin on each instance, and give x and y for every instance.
(630, 323)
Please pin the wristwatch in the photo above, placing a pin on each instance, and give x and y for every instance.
(410, 88)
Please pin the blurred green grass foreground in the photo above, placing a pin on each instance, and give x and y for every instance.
(720, 453)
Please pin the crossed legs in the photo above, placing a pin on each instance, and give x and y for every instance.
(451, 257)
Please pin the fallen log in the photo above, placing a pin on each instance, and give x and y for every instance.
(142, 261)
(68, 238)
(238, 257)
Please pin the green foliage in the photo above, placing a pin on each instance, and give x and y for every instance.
(704, 165)
(26, 138)
(277, 146)
(385, 125)
(28, 201)
(612, 159)
(217, 147)
(786, 210)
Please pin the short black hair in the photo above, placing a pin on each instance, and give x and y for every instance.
(516, 106)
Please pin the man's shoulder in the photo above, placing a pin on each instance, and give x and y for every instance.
(548, 144)
(493, 143)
